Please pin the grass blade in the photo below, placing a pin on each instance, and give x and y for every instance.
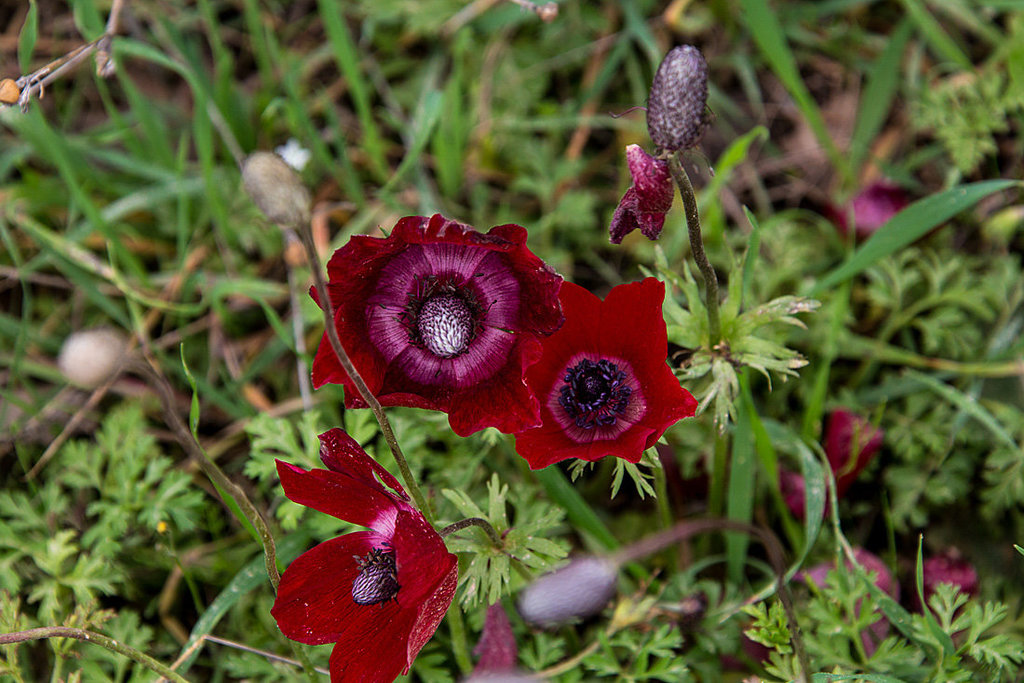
(767, 32)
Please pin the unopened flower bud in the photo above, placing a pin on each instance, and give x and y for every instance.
(90, 357)
(580, 589)
(679, 94)
(276, 188)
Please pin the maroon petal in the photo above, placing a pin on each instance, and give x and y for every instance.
(949, 567)
(497, 647)
(624, 220)
(314, 600)
(440, 316)
(352, 499)
(652, 180)
(850, 444)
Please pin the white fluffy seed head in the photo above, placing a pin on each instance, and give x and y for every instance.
(88, 358)
(277, 189)
(580, 589)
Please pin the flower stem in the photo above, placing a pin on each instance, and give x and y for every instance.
(357, 379)
(697, 247)
(93, 637)
(492, 533)
(227, 488)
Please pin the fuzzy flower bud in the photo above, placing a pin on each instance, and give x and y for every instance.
(88, 358)
(580, 589)
(276, 188)
(679, 94)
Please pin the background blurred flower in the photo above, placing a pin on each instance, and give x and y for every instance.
(603, 383)
(851, 442)
(440, 316)
(871, 208)
(378, 594)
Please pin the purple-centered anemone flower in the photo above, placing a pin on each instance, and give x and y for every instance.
(378, 594)
(440, 316)
(646, 202)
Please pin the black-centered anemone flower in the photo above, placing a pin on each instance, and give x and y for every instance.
(440, 316)
(603, 382)
(378, 594)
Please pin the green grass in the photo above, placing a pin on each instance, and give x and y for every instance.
(121, 205)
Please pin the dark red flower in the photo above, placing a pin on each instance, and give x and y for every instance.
(497, 647)
(378, 594)
(850, 444)
(603, 383)
(949, 567)
(440, 316)
(646, 202)
(871, 208)
(883, 579)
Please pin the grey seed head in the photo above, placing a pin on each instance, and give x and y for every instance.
(277, 189)
(679, 95)
(580, 589)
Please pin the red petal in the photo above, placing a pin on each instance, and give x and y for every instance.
(352, 499)
(341, 453)
(378, 652)
(627, 326)
(314, 601)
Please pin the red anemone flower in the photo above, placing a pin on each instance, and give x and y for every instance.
(603, 383)
(440, 316)
(648, 199)
(378, 594)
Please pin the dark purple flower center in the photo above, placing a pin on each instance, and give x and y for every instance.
(595, 394)
(378, 578)
(445, 324)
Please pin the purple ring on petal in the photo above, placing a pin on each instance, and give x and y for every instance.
(447, 281)
(631, 414)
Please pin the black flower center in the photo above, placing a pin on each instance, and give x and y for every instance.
(445, 324)
(595, 394)
(378, 578)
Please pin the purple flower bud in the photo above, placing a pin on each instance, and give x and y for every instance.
(872, 208)
(645, 204)
(497, 646)
(679, 94)
(580, 589)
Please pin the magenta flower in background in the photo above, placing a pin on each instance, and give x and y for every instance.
(646, 202)
(851, 443)
(871, 208)
(873, 564)
(378, 594)
(949, 567)
(440, 316)
(497, 646)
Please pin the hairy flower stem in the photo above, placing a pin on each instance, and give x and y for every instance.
(225, 486)
(93, 637)
(684, 530)
(697, 247)
(492, 533)
(357, 379)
